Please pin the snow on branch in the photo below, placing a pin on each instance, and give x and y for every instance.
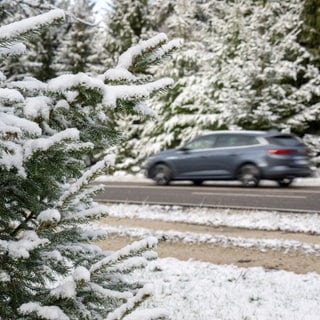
(103, 292)
(10, 96)
(150, 314)
(134, 91)
(68, 81)
(29, 84)
(44, 312)
(16, 48)
(97, 212)
(20, 28)
(85, 179)
(12, 156)
(22, 247)
(126, 60)
(12, 123)
(131, 304)
(43, 144)
(125, 252)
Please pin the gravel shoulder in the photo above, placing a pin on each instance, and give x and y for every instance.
(280, 259)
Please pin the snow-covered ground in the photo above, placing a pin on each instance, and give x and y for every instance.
(194, 290)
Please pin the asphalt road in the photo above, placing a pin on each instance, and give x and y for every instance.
(293, 199)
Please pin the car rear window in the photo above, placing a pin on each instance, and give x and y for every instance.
(285, 140)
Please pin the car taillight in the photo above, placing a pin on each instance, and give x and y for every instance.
(281, 151)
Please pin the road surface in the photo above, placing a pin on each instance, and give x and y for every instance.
(293, 199)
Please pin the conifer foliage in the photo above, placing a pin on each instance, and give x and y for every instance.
(49, 269)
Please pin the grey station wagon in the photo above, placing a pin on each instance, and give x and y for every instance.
(247, 156)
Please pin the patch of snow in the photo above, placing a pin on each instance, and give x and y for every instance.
(196, 290)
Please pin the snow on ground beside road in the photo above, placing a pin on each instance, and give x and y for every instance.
(196, 290)
(261, 220)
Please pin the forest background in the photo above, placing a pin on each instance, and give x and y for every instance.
(244, 65)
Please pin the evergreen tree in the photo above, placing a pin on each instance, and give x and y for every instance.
(49, 268)
(274, 80)
(128, 23)
(77, 47)
(42, 46)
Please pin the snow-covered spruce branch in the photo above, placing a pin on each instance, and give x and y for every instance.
(10, 96)
(44, 144)
(42, 312)
(94, 212)
(131, 304)
(148, 314)
(86, 178)
(13, 49)
(110, 94)
(129, 265)
(86, 193)
(128, 251)
(164, 50)
(12, 123)
(21, 248)
(137, 92)
(20, 29)
(127, 59)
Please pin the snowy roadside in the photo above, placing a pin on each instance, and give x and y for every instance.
(194, 290)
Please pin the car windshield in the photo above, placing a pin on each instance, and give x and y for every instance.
(205, 142)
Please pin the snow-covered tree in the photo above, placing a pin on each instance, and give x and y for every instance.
(42, 46)
(77, 47)
(49, 267)
(128, 21)
(270, 80)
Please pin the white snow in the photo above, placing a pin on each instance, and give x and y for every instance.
(21, 248)
(49, 216)
(37, 107)
(196, 290)
(44, 312)
(81, 274)
(65, 290)
(20, 27)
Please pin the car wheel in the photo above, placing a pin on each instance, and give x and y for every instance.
(162, 174)
(285, 182)
(197, 182)
(249, 175)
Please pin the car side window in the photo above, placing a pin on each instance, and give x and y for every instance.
(206, 142)
(232, 140)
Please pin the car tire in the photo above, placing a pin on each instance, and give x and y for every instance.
(285, 182)
(249, 175)
(197, 182)
(161, 174)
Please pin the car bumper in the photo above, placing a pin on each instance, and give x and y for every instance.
(287, 172)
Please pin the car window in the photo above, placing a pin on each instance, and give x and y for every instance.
(235, 140)
(206, 142)
(285, 140)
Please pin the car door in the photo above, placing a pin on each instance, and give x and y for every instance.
(193, 159)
